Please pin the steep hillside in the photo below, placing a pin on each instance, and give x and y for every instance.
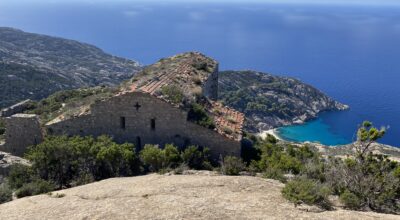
(34, 66)
(199, 196)
(270, 101)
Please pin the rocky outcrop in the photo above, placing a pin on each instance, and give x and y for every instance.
(201, 195)
(270, 101)
(6, 161)
(33, 66)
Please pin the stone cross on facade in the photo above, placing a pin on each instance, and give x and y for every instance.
(137, 106)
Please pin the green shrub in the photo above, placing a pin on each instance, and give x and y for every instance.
(19, 175)
(82, 179)
(232, 165)
(5, 193)
(171, 156)
(164, 160)
(271, 139)
(274, 173)
(173, 93)
(34, 188)
(63, 160)
(196, 158)
(198, 115)
(249, 152)
(350, 200)
(115, 159)
(152, 156)
(307, 191)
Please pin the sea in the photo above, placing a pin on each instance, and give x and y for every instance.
(350, 52)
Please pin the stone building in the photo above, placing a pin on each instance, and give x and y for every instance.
(22, 131)
(144, 111)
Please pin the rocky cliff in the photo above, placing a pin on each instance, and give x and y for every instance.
(270, 101)
(35, 66)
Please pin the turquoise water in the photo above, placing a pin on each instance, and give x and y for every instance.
(314, 131)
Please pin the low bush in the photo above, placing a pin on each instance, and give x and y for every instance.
(173, 93)
(63, 160)
(152, 157)
(198, 115)
(157, 159)
(307, 191)
(172, 156)
(276, 174)
(350, 200)
(196, 158)
(34, 188)
(19, 175)
(5, 193)
(232, 165)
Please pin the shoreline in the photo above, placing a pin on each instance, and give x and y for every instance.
(273, 132)
(392, 152)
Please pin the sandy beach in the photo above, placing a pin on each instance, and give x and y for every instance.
(272, 132)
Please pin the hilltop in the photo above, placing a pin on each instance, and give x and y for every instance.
(270, 101)
(35, 66)
(202, 195)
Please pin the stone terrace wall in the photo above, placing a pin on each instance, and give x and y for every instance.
(171, 125)
(22, 131)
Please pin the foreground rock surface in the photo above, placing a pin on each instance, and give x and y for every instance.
(200, 196)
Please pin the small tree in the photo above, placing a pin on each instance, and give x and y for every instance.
(152, 156)
(366, 181)
(367, 134)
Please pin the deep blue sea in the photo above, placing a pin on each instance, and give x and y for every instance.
(352, 53)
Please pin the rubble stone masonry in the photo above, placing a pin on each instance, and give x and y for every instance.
(141, 118)
(22, 131)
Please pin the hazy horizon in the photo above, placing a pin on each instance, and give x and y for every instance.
(319, 2)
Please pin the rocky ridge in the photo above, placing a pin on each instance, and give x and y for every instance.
(35, 66)
(270, 101)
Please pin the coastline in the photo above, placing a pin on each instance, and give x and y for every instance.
(345, 150)
(273, 132)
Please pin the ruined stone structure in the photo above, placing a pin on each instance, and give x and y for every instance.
(17, 108)
(22, 131)
(141, 113)
(141, 118)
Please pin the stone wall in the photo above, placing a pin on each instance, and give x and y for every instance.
(210, 87)
(22, 131)
(123, 119)
(17, 108)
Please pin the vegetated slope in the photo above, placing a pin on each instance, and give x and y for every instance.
(34, 66)
(270, 101)
(199, 196)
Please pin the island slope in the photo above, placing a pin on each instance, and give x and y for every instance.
(270, 101)
(35, 66)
